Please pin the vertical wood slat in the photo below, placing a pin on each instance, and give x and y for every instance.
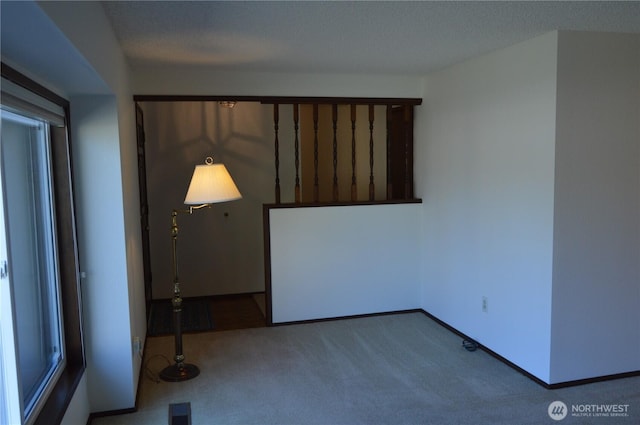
(334, 118)
(354, 187)
(276, 118)
(296, 151)
(399, 147)
(408, 151)
(316, 187)
(389, 123)
(372, 188)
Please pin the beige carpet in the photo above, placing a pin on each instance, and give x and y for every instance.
(397, 369)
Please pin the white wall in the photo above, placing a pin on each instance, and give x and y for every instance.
(203, 80)
(104, 161)
(484, 161)
(342, 261)
(104, 289)
(596, 257)
(528, 163)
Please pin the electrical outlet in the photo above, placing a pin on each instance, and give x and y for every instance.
(485, 305)
(137, 345)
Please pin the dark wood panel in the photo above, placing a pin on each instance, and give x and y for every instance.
(144, 208)
(280, 99)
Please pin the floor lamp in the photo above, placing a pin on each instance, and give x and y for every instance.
(210, 184)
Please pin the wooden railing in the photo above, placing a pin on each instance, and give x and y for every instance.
(323, 176)
(329, 137)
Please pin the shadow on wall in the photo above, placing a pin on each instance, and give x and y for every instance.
(220, 249)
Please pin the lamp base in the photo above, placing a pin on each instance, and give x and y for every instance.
(175, 373)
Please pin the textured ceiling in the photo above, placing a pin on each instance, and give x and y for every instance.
(392, 37)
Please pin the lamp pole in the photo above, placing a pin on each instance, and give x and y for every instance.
(180, 371)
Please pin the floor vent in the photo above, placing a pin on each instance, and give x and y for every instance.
(180, 414)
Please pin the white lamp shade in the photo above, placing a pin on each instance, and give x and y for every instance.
(211, 183)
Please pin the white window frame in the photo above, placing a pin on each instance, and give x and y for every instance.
(24, 105)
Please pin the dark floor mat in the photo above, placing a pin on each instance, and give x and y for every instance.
(196, 317)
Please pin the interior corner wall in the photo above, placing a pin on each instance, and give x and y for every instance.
(484, 168)
(596, 260)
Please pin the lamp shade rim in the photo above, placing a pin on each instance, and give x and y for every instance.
(196, 201)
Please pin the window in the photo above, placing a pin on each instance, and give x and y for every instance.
(32, 254)
(40, 338)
